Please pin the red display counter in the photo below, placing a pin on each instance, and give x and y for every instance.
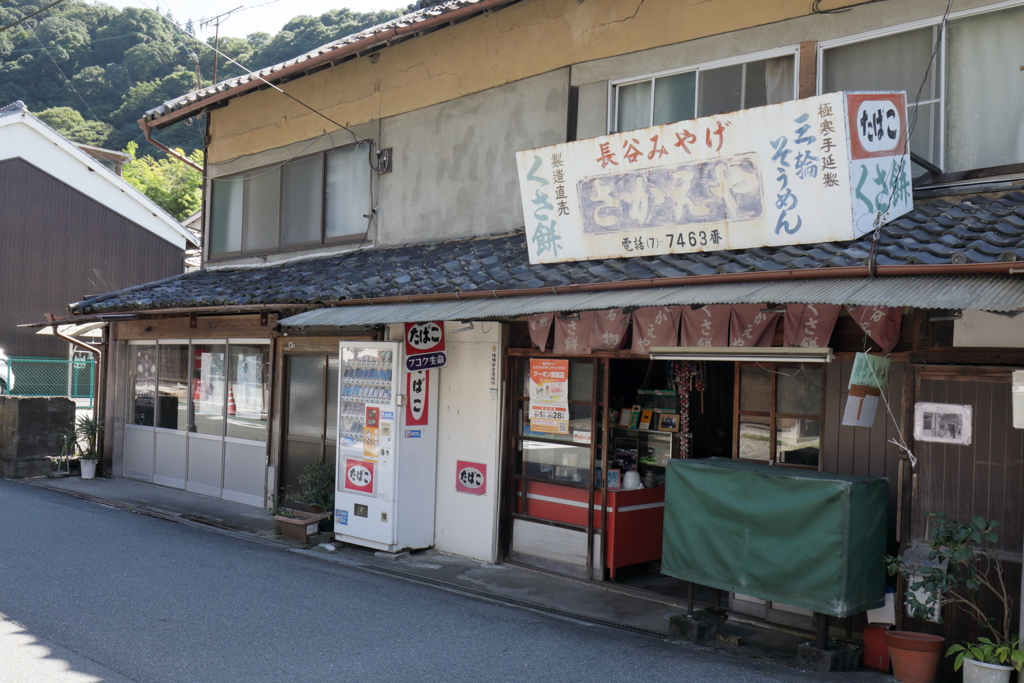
(635, 518)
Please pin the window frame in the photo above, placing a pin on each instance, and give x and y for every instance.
(773, 415)
(932, 22)
(131, 397)
(281, 248)
(613, 85)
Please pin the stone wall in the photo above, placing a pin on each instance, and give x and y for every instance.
(30, 434)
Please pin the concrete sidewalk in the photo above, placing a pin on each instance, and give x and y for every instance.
(608, 604)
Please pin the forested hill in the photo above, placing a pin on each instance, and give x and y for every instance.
(108, 66)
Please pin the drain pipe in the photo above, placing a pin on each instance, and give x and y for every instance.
(96, 351)
(170, 152)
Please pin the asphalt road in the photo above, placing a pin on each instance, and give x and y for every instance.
(90, 593)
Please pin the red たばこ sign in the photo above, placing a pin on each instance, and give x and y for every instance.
(471, 477)
(358, 476)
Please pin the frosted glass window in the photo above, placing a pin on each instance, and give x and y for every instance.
(674, 98)
(173, 384)
(210, 387)
(141, 384)
(306, 396)
(896, 62)
(348, 191)
(634, 106)
(985, 90)
(262, 210)
(331, 428)
(721, 90)
(302, 191)
(226, 217)
(726, 89)
(248, 391)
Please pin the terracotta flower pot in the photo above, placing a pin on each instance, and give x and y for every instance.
(915, 656)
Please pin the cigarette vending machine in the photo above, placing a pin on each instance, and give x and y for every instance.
(387, 449)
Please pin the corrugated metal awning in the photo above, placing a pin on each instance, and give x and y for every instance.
(959, 292)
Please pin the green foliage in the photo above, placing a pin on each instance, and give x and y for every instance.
(71, 125)
(125, 62)
(172, 185)
(972, 569)
(987, 652)
(87, 432)
(317, 481)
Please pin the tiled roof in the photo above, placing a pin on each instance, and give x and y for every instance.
(975, 230)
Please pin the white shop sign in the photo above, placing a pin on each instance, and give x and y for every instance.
(807, 171)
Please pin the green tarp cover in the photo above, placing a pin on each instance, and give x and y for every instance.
(809, 539)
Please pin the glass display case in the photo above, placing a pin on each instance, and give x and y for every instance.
(366, 376)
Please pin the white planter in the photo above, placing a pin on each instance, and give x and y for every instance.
(978, 672)
(88, 469)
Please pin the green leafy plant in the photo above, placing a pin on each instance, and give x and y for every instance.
(317, 481)
(88, 431)
(965, 566)
(988, 652)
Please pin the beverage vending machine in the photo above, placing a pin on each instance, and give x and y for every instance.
(387, 449)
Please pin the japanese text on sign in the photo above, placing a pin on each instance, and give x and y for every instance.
(425, 346)
(757, 177)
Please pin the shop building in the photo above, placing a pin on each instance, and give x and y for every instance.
(226, 380)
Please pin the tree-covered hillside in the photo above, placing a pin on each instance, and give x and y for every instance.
(97, 69)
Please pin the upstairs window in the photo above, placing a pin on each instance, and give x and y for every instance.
(971, 108)
(318, 199)
(707, 90)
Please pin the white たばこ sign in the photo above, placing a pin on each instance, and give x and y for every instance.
(820, 169)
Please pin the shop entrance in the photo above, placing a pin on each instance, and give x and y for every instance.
(311, 425)
(624, 419)
(609, 434)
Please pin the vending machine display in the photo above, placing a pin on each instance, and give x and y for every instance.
(385, 472)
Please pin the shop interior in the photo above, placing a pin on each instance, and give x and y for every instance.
(656, 410)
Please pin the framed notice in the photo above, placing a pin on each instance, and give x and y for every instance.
(942, 423)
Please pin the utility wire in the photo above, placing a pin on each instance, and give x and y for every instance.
(29, 16)
(66, 79)
(355, 136)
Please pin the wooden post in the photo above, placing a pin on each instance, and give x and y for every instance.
(821, 639)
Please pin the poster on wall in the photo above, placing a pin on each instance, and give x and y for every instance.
(471, 477)
(868, 378)
(248, 389)
(819, 169)
(549, 395)
(211, 385)
(942, 423)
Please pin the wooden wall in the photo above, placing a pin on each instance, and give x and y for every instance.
(859, 450)
(984, 478)
(59, 247)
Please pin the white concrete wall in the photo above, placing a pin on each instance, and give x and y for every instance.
(469, 428)
(979, 328)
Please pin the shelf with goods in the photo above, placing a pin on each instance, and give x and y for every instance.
(364, 380)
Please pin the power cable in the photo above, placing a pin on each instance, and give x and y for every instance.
(66, 79)
(29, 16)
(356, 137)
(896, 168)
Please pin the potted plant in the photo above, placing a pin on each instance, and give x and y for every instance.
(88, 431)
(297, 525)
(317, 481)
(965, 566)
